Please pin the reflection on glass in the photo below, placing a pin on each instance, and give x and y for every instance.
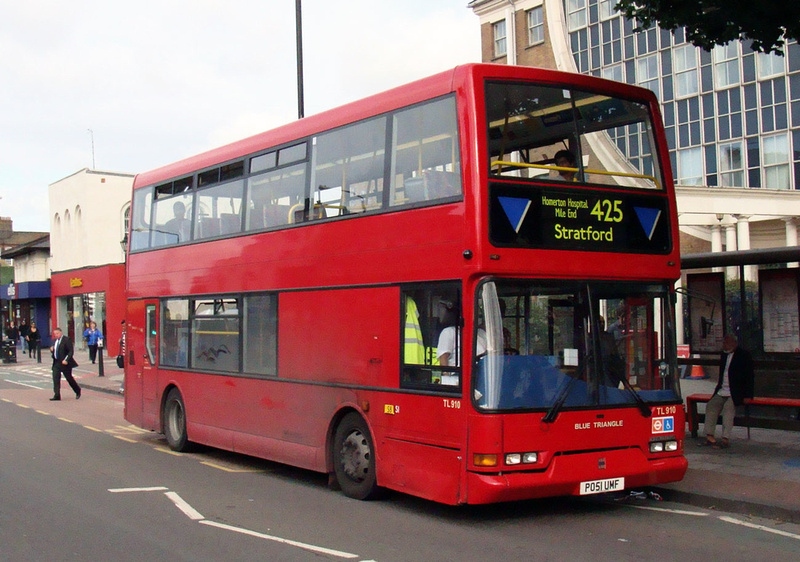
(530, 126)
(580, 344)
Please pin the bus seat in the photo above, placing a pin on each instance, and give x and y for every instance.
(439, 185)
(296, 213)
(414, 189)
(208, 227)
(275, 215)
(230, 223)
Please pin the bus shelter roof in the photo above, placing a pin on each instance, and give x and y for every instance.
(741, 257)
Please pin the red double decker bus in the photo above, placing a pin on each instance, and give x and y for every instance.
(460, 289)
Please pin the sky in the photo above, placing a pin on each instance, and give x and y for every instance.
(131, 86)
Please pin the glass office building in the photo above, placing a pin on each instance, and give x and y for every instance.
(732, 116)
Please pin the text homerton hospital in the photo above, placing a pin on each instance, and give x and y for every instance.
(585, 233)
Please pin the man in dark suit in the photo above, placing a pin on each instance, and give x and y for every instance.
(736, 382)
(63, 363)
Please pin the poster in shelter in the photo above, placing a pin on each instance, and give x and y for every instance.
(706, 292)
(780, 313)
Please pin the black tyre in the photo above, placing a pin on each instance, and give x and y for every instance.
(175, 421)
(354, 458)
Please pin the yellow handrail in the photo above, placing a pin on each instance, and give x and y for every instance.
(499, 163)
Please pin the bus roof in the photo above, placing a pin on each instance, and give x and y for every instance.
(407, 94)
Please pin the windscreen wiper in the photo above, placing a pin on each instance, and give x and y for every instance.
(550, 417)
(643, 407)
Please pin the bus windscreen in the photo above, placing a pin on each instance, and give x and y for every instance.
(550, 133)
(570, 345)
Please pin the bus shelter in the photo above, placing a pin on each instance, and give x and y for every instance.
(754, 295)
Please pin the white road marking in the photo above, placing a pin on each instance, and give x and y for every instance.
(148, 489)
(181, 504)
(759, 527)
(667, 510)
(194, 515)
(23, 384)
(311, 547)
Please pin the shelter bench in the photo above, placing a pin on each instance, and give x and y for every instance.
(693, 419)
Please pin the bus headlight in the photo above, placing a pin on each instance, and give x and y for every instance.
(522, 458)
(663, 446)
(530, 458)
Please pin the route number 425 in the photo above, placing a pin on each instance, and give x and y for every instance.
(607, 210)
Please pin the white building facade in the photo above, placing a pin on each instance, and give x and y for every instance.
(88, 220)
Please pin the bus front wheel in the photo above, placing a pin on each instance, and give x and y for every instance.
(354, 458)
(175, 421)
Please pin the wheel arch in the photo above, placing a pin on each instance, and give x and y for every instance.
(164, 393)
(336, 419)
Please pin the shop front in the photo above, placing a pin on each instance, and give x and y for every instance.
(87, 295)
(26, 303)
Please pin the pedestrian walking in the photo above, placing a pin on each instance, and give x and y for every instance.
(63, 363)
(34, 340)
(24, 330)
(93, 338)
(12, 333)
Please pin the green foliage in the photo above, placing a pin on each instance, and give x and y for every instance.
(767, 23)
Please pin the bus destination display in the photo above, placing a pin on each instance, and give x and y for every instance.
(578, 219)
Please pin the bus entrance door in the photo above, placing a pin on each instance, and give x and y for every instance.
(140, 342)
(639, 342)
(149, 364)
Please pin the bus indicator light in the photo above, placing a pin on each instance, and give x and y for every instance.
(484, 460)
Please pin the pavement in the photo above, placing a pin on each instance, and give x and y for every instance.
(85, 373)
(759, 476)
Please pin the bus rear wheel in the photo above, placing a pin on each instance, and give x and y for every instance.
(354, 458)
(175, 421)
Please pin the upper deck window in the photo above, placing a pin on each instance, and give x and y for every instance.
(348, 169)
(557, 134)
(220, 174)
(425, 163)
(333, 174)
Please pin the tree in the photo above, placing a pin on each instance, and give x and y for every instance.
(766, 23)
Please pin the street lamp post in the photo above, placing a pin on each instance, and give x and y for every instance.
(299, 27)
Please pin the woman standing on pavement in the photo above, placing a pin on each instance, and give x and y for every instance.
(34, 338)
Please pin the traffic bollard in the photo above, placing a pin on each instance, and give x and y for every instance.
(100, 370)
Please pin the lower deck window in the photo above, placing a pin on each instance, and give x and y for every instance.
(230, 334)
(432, 337)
